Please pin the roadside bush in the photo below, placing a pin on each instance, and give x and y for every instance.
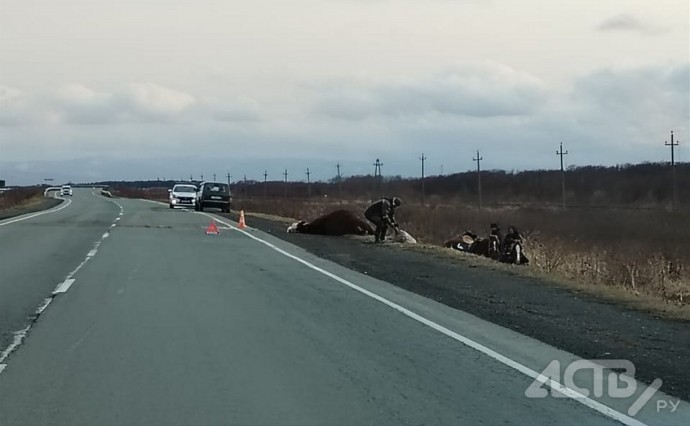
(17, 196)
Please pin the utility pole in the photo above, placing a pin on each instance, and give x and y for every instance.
(377, 173)
(479, 178)
(265, 180)
(673, 171)
(423, 158)
(441, 169)
(229, 176)
(561, 153)
(340, 187)
(202, 178)
(214, 177)
(308, 184)
(285, 174)
(191, 178)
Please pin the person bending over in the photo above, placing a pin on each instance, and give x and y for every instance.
(382, 215)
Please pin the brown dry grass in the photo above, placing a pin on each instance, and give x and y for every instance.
(638, 253)
(19, 196)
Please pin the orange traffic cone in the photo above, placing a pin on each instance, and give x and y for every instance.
(212, 228)
(241, 224)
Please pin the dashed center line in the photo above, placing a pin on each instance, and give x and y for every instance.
(60, 288)
(63, 287)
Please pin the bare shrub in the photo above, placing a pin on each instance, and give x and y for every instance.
(17, 196)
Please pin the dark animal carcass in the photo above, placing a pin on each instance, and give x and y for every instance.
(336, 223)
(469, 242)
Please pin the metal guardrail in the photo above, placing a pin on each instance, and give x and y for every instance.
(50, 188)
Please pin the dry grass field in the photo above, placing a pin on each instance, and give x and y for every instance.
(644, 252)
(18, 196)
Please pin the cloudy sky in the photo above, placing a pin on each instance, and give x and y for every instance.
(139, 89)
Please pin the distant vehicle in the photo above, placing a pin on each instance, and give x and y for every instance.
(182, 195)
(213, 194)
(66, 190)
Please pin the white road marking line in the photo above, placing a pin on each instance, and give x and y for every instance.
(18, 337)
(78, 267)
(53, 210)
(59, 289)
(553, 384)
(113, 225)
(117, 220)
(43, 307)
(64, 286)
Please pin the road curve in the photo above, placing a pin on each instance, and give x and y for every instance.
(167, 325)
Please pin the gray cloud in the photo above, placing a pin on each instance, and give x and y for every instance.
(488, 91)
(136, 103)
(626, 22)
(649, 96)
(606, 117)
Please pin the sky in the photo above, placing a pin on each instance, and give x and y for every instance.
(96, 90)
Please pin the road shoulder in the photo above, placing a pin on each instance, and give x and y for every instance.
(35, 205)
(566, 319)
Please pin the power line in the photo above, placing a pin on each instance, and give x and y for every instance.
(285, 175)
(340, 186)
(265, 181)
(561, 153)
(478, 159)
(308, 184)
(672, 145)
(377, 174)
(423, 158)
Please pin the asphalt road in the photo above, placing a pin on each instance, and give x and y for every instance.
(164, 324)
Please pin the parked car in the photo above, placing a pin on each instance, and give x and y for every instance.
(182, 195)
(66, 190)
(213, 194)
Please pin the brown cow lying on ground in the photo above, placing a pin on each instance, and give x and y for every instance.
(336, 223)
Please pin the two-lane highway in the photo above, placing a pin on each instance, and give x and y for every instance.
(167, 325)
(39, 250)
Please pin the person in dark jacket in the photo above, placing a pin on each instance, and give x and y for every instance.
(496, 241)
(382, 214)
(508, 253)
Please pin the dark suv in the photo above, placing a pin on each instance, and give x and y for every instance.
(213, 194)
